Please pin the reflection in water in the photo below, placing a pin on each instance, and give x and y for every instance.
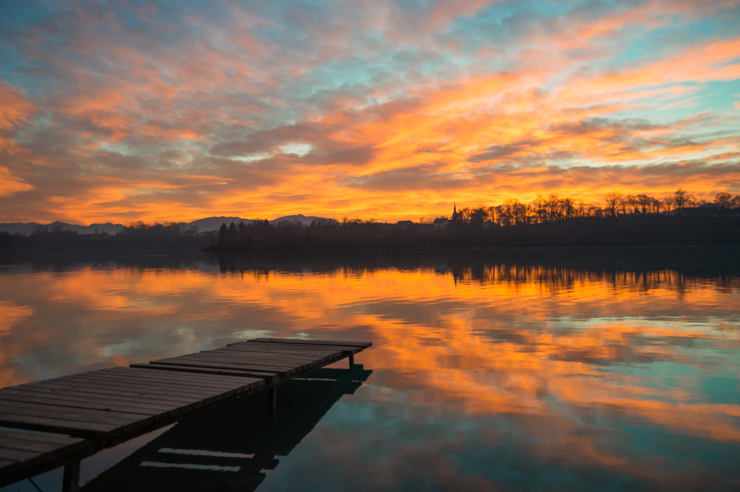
(229, 447)
(578, 369)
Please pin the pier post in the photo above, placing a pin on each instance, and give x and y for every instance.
(352, 361)
(71, 479)
(271, 399)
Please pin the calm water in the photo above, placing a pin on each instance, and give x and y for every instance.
(551, 369)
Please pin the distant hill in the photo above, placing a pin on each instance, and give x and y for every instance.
(23, 228)
(29, 227)
(301, 219)
(203, 225)
(213, 223)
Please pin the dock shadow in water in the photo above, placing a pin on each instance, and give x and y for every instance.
(228, 448)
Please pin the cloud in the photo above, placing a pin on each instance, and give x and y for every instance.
(393, 105)
(10, 185)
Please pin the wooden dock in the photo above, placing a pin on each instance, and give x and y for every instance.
(73, 417)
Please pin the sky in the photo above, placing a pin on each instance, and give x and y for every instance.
(176, 110)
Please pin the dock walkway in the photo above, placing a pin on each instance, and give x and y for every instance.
(75, 416)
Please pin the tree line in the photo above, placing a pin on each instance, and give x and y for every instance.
(555, 208)
(623, 219)
(135, 236)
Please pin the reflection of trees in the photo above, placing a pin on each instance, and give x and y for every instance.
(636, 270)
(555, 269)
(556, 279)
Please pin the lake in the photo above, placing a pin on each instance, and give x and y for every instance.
(553, 369)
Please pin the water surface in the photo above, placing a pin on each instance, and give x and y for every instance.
(543, 369)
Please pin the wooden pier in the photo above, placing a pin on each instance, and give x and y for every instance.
(73, 417)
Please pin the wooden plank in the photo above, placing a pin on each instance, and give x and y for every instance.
(54, 439)
(81, 398)
(199, 378)
(244, 362)
(268, 355)
(260, 370)
(281, 348)
(24, 445)
(46, 452)
(214, 372)
(93, 429)
(266, 371)
(172, 379)
(241, 362)
(256, 360)
(106, 431)
(132, 389)
(80, 384)
(82, 403)
(17, 454)
(152, 382)
(339, 343)
(95, 393)
(241, 355)
(66, 413)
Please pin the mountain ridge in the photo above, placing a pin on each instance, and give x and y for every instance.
(205, 224)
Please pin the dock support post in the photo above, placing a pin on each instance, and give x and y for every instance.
(352, 361)
(271, 399)
(71, 480)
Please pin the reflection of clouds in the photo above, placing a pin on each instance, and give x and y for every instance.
(563, 360)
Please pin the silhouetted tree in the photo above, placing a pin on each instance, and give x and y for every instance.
(681, 199)
(223, 235)
(723, 200)
(613, 200)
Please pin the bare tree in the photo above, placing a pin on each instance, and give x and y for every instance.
(613, 199)
(682, 199)
(540, 207)
(669, 202)
(723, 200)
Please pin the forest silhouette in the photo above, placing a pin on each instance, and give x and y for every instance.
(623, 220)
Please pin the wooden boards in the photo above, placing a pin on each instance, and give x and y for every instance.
(344, 345)
(22, 451)
(110, 403)
(270, 358)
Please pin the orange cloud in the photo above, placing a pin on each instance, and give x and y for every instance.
(10, 185)
(400, 122)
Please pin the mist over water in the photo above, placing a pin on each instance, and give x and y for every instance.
(577, 369)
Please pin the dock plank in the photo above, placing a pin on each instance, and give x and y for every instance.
(254, 362)
(132, 390)
(172, 395)
(279, 348)
(209, 371)
(116, 406)
(135, 395)
(65, 413)
(264, 370)
(297, 341)
(180, 387)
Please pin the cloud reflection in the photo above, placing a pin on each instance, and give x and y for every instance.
(570, 363)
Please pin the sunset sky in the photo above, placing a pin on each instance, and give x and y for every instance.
(123, 110)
